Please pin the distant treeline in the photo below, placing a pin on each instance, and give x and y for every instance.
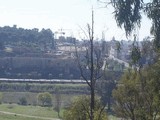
(25, 87)
(36, 68)
(13, 35)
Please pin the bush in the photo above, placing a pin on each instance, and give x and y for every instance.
(45, 99)
(80, 109)
(23, 101)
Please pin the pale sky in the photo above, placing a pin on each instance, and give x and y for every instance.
(70, 15)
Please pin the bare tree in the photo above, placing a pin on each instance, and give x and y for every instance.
(90, 64)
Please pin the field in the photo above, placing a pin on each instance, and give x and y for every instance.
(16, 117)
(17, 112)
(10, 110)
(13, 92)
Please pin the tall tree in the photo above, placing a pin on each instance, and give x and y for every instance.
(90, 65)
(131, 102)
(79, 109)
(128, 14)
(142, 100)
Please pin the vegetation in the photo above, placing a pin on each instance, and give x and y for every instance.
(37, 87)
(28, 110)
(58, 101)
(26, 38)
(136, 100)
(23, 101)
(137, 95)
(44, 99)
(128, 14)
(90, 65)
(105, 87)
(16, 117)
(79, 109)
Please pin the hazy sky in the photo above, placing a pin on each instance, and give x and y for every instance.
(70, 15)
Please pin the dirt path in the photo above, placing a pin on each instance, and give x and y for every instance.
(23, 115)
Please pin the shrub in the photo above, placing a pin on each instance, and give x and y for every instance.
(23, 101)
(79, 110)
(45, 99)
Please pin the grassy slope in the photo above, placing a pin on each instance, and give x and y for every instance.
(13, 117)
(29, 110)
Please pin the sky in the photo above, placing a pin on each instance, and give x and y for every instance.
(70, 16)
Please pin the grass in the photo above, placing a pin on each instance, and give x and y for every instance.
(29, 110)
(13, 97)
(111, 117)
(15, 117)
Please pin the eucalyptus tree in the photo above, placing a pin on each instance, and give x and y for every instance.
(128, 15)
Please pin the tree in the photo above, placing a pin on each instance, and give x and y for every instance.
(128, 14)
(132, 101)
(126, 96)
(23, 101)
(143, 101)
(79, 109)
(105, 87)
(90, 65)
(44, 99)
(148, 54)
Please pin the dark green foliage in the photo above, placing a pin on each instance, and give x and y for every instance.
(12, 34)
(153, 12)
(26, 37)
(23, 101)
(127, 13)
(137, 95)
(44, 99)
(135, 54)
(106, 86)
(126, 96)
(31, 87)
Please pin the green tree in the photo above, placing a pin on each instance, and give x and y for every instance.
(126, 96)
(128, 15)
(80, 108)
(134, 101)
(105, 87)
(23, 101)
(44, 99)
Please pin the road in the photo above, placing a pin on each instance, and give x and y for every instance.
(23, 115)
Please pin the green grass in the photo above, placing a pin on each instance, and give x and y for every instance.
(29, 110)
(13, 97)
(111, 117)
(15, 117)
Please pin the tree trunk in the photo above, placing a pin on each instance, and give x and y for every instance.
(92, 71)
(92, 103)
